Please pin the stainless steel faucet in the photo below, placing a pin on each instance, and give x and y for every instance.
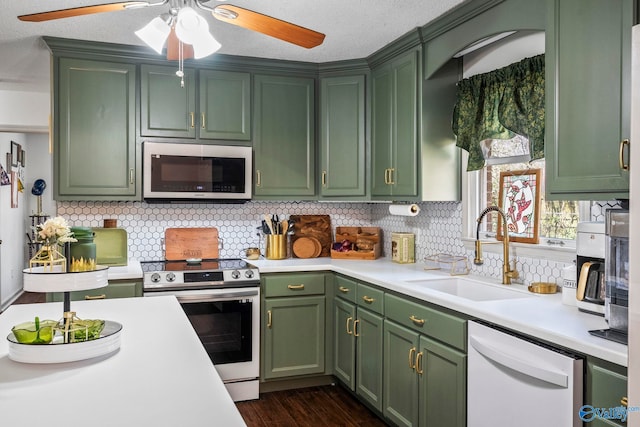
(507, 272)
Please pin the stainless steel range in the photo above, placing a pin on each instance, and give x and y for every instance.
(221, 298)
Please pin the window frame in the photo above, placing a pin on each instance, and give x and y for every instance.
(472, 205)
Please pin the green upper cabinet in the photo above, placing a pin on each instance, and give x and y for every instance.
(94, 130)
(588, 74)
(342, 136)
(394, 130)
(284, 136)
(225, 105)
(168, 109)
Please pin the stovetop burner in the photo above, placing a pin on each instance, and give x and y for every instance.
(198, 274)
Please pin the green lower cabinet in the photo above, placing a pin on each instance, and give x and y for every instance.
(400, 394)
(115, 289)
(424, 380)
(344, 347)
(294, 335)
(443, 385)
(369, 351)
(605, 387)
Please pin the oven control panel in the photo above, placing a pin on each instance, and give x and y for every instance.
(157, 279)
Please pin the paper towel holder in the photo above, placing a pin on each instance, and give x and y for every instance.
(404, 209)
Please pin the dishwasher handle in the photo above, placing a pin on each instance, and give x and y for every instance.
(513, 362)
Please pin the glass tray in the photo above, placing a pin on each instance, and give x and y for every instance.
(59, 352)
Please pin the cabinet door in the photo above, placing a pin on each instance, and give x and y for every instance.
(588, 100)
(400, 395)
(225, 105)
(94, 149)
(284, 136)
(115, 289)
(404, 175)
(167, 108)
(342, 136)
(370, 348)
(344, 349)
(395, 130)
(294, 336)
(606, 385)
(381, 130)
(443, 373)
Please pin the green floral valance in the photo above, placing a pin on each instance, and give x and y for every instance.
(499, 105)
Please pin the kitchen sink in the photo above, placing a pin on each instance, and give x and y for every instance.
(469, 289)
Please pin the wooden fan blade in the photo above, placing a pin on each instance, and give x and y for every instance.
(78, 11)
(173, 48)
(267, 25)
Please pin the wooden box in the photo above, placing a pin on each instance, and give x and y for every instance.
(368, 237)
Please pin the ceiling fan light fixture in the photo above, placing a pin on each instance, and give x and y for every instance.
(190, 26)
(155, 33)
(205, 46)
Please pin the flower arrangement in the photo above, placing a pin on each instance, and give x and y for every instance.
(54, 231)
(51, 233)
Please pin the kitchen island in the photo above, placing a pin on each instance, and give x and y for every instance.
(540, 316)
(160, 375)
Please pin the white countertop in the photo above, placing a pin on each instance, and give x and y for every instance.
(130, 271)
(540, 316)
(160, 376)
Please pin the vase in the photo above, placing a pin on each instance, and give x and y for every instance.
(48, 257)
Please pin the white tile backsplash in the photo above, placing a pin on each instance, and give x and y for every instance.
(437, 228)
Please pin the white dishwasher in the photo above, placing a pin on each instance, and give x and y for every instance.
(515, 382)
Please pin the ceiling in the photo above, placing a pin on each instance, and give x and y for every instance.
(353, 28)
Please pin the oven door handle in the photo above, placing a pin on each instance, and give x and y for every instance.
(215, 297)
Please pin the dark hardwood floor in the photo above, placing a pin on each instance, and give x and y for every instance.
(308, 407)
(30, 298)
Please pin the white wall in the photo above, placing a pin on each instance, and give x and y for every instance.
(24, 111)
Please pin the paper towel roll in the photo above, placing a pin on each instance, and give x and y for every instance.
(404, 210)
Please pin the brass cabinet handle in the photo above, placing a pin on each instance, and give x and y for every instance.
(202, 123)
(192, 118)
(132, 175)
(419, 368)
(624, 401)
(258, 180)
(355, 328)
(349, 332)
(391, 174)
(324, 178)
(296, 287)
(269, 319)
(412, 353)
(368, 300)
(624, 166)
(386, 176)
(418, 322)
(344, 290)
(89, 297)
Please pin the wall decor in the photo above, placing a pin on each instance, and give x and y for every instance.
(14, 190)
(22, 158)
(4, 177)
(15, 151)
(519, 199)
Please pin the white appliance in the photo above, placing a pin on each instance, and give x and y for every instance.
(514, 382)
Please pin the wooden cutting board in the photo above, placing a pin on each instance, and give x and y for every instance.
(185, 243)
(318, 226)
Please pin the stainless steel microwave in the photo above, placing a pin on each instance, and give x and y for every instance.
(174, 172)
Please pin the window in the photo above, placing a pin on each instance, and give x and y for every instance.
(558, 219)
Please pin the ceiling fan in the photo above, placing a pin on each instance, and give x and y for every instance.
(177, 46)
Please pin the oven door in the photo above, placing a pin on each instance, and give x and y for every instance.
(227, 321)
